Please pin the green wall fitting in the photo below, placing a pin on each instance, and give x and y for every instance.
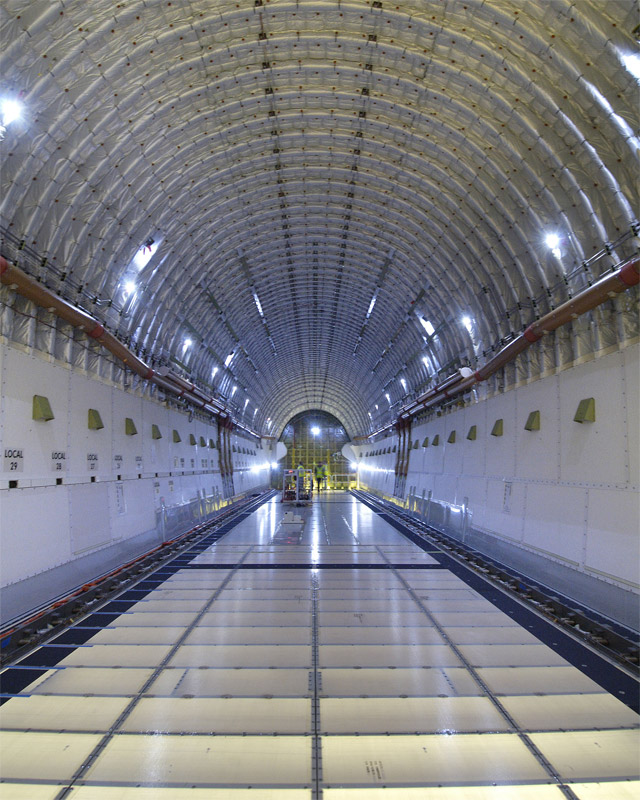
(425, 441)
(203, 442)
(41, 408)
(436, 440)
(212, 444)
(498, 428)
(452, 437)
(192, 440)
(176, 436)
(94, 420)
(586, 411)
(533, 421)
(155, 432)
(130, 427)
(473, 433)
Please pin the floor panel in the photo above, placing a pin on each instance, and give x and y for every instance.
(351, 665)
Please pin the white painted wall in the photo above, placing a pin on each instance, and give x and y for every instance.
(568, 492)
(141, 485)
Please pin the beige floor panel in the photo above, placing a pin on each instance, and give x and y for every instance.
(282, 655)
(264, 594)
(357, 636)
(581, 755)
(389, 655)
(368, 760)
(511, 655)
(44, 756)
(125, 634)
(28, 791)
(246, 635)
(488, 635)
(398, 682)
(180, 594)
(463, 607)
(174, 793)
(174, 606)
(450, 595)
(231, 683)
(166, 619)
(116, 655)
(571, 711)
(93, 681)
(357, 618)
(510, 792)
(533, 680)
(394, 605)
(458, 620)
(362, 594)
(65, 713)
(166, 760)
(262, 604)
(220, 715)
(613, 790)
(410, 714)
(268, 618)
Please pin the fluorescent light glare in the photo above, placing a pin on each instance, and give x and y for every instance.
(631, 62)
(315, 430)
(130, 287)
(228, 359)
(144, 254)
(372, 304)
(187, 343)
(427, 326)
(11, 111)
(552, 240)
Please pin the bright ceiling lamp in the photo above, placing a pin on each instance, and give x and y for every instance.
(228, 359)
(427, 326)
(466, 321)
(145, 253)
(10, 111)
(552, 240)
(130, 287)
(315, 430)
(631, 62)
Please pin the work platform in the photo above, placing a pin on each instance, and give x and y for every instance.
(343, 662)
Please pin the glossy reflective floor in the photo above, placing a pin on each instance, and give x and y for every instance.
(338, 661)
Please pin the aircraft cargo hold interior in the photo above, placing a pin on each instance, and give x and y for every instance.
(319, 416)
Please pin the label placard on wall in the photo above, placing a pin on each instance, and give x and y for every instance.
(58, 460)
(117, 463)
(13, 459)
(92, 462)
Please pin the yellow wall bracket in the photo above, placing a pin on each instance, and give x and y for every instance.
(94, 420)
(586, 410)
(533, 421)
(42, 408)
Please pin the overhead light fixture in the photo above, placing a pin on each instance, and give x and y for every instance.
(631, 62)
(10, 111)
(228, 359)
(145, 253)
(187, 343)
(427, 326)
(214, 372)
(552, 240)
(130, 287)
(315, 430)
(388, 398)
(404, 384)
